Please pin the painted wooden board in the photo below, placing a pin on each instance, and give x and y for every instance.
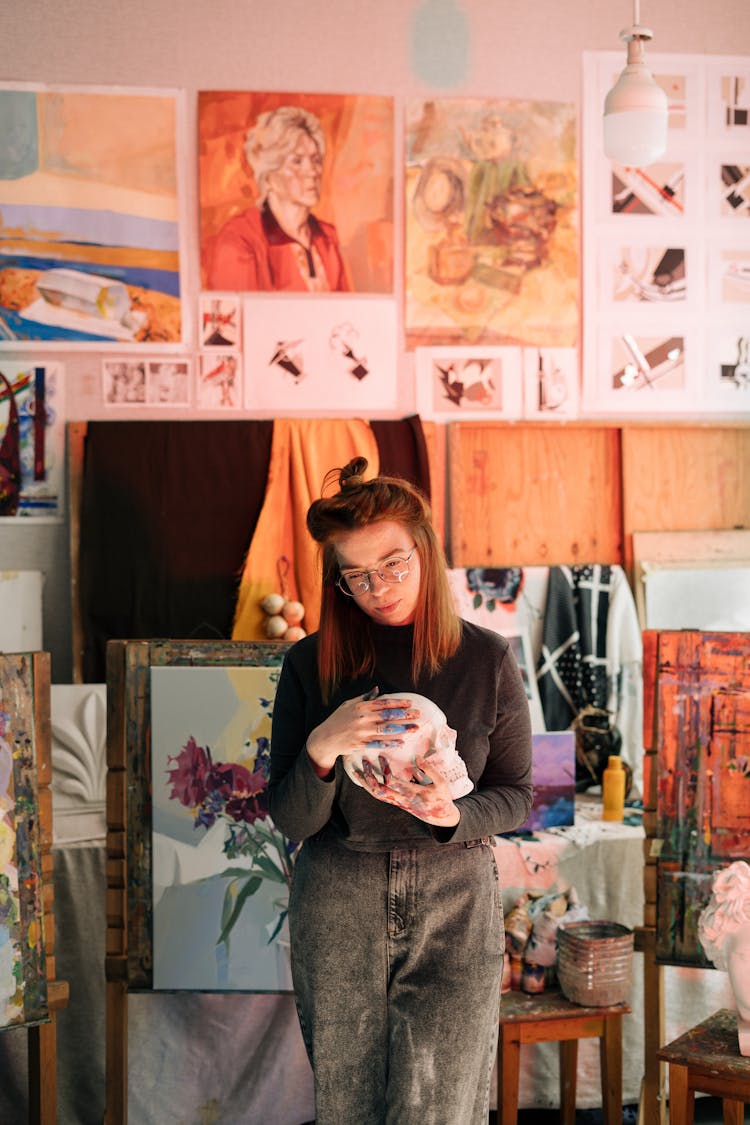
(25, 935)
(701, 711)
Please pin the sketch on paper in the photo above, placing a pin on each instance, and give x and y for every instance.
(23, 981)
(124, 382)
(219, 384)
(550, 382)
(330, 353)
(648, 363)
(653, 274)
(220, 321)
(32, 440)
(296, 192)
(735, 189)
(735, 101)
(734, 365)
(168, 382)
(656, 190)
(89, 231)
(221, 869)
(491, 222)
(734, 266)
(469, 383)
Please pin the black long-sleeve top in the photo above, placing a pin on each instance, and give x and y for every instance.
(481, 692)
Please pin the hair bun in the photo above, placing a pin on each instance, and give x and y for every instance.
(352, 474)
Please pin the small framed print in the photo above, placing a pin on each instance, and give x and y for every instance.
(469, 383)
(168, 382)
(124, 382)
(550, 388)
(220, 321)
(219, 382)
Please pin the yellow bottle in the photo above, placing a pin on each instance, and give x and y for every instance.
(613, 789)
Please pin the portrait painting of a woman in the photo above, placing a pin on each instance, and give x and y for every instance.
(300, 231)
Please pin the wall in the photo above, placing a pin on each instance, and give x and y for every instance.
(523, 50)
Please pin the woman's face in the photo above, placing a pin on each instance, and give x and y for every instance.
(364, 549)
(297, 179)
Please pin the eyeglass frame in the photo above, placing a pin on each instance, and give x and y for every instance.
(342, 584)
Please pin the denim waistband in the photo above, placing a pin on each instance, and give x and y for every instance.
(489, 840)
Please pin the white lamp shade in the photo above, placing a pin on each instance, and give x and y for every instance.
(635, 118)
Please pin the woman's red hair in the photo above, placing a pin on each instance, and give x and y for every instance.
(345, 644)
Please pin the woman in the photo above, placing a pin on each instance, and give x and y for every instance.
(280, 244)
(395, 912)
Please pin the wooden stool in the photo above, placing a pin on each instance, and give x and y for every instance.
(707, 1058)
(550, 1017)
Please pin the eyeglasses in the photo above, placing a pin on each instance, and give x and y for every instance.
(393, 570)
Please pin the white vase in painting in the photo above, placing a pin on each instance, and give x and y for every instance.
(724, 933)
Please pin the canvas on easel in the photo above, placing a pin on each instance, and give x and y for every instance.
(196, 896)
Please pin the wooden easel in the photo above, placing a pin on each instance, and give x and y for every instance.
(42, 1042)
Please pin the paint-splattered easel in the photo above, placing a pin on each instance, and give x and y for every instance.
(25, 732)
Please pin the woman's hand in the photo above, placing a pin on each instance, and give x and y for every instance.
(358, 724)
(421, 791)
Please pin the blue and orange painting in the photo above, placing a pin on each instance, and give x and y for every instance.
(553, 774)
(89, 230)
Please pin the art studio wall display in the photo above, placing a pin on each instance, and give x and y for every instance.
(89, 216)
(32, 440)
(550, 383)
(266, 157)
(491, 223)
(469, 382)
(666, 261)
(331, 353)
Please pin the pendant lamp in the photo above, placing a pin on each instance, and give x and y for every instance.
(635, 109)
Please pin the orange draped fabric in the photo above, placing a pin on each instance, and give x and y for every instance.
(302, 452)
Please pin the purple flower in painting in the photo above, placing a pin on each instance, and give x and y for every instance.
(232, 792)
(188, 777)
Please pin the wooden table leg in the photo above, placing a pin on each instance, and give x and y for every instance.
(42, 1066)
(681, 1097)
(734, 1112)
(610, 1061)
(568, 1074)
(508, 1066)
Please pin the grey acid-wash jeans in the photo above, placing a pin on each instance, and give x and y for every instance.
(397, 963)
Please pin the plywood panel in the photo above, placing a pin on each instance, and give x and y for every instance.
(534, 495)
(681, 478)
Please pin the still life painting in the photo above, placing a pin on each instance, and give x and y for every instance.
(221, 869)
(89, 230)
(491, 222)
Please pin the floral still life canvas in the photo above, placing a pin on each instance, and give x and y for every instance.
(221, 869)
(491, 223)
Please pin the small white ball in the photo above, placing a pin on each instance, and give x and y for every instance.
(275, 627)
(294, 633)
(272, 604)
(293, 612)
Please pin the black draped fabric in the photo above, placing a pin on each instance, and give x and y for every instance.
(167, 513)
(403, 451)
